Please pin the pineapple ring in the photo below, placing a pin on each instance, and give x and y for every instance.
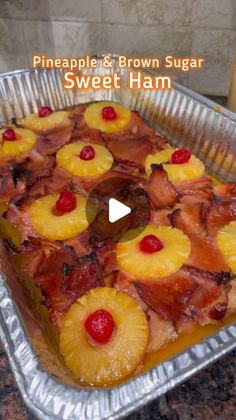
(34, 122)
(176, 251)
(55, 227)
(23, 145)
(192, 169)
(93, 117)
(68, 159)
(107, 363)
(226, 240)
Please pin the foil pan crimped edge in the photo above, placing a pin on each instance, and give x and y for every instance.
(186, 119)
(49, 399)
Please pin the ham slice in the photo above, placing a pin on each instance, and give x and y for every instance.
(61, 179)
(196, 191)
(30, 172)
(36, 261)
(219, 215)
(206, 255)
(52, 140)
(131, 149)
(161, 331)
(64, 277)
(208, 303)
(225, 192)
(10, 189)
(18, 216)
(188, 217)
(190, 292)
(127, 167)
(135, 128)
(170, 296)
(36, 156)
(107, 257)
(17, 176)
(160, 217)
(124, 284)
(80, 243)
(58, 181)
(158, 142)
(89, 184)
(81, 131)
(160, 190)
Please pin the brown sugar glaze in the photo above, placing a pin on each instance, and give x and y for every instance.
(51, 335)
(151, 359)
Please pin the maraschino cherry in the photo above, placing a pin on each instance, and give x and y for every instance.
(66, 202)
(109, 113)
(180, 156)
(150, 244)
(100, 325)
(9, 134)
(87, 153)
(44, 111)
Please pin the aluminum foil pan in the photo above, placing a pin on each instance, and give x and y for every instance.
(187, 120)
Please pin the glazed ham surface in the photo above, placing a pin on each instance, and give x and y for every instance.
(64, 277)
(201, 292)
(161, 191)
(50, 141)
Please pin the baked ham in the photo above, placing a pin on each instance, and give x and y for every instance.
(30, 172)
(50, 141)
(161, 217)
(225, 192)
(64, 277)
(60, 179)
(219, 215)
(161, 192)
(201, 292)
(106, 254)
(168, 297)
(161, 330)
(17, 214)
(9, 189)
(131, 149)
(80, 243)
(188, 217)
(196, 191)
(206, 255)
(136, 128)
(197, 294)
(81, 131)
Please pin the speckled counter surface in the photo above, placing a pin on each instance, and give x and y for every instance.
(209, 395)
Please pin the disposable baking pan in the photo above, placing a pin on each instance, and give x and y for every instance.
(185, 119)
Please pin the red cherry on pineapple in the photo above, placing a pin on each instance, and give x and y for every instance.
(151, 244)
(9, 134)
(99, 325)
(66, 202)
(180, 156)
(108, 113)
(44, 111)
(87, 153)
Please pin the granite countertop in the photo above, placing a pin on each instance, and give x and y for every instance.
(211, 394)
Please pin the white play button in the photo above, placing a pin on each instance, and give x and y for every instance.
(117, 210)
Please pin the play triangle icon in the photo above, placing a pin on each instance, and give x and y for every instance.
(117, 210)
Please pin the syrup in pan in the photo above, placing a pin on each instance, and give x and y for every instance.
(183, 342)
(151, 359)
